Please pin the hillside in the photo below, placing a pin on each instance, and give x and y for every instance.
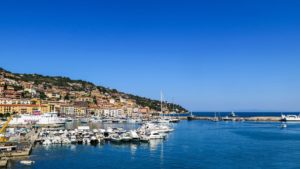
(65, 88)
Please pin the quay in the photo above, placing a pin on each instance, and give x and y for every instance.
(3, 162)
(254, 118)
(12, 152)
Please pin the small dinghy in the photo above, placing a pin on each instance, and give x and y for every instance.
(27, 162)
(283, 126)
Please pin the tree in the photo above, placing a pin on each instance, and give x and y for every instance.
(43, 96)
(67, 97)
(95, 100)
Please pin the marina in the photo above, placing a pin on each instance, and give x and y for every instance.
(149, 84)
(193, 144)
(51, 130)
(26, 131)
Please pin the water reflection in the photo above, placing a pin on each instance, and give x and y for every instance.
(153, 144)
(133, 149)
(73, 148)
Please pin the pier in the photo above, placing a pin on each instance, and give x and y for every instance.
(20, 150)
(255, 118)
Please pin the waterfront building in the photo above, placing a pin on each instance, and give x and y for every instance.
(67, 110)
(73, 110)
(33, 106)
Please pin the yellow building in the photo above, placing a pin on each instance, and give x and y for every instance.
(23, 108)
(34, 106)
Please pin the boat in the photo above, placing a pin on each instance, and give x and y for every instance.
(94, 140)
(155, 135)
(132, 121)
(47, 142)
(144, 138)
(116, 138)
(163, 120)
(191, 117)
(50, 119)
(115, 121)
(80, 141)
(96, 120)
(226, 118)
(27, 162)
(290, 118)
(44, 119)
(215, 119)
(24, 119)
(66, 141)
(125, 137)
(134, 136)
(174, 120)
(283, 126)
(232, 114)
(69, 119)
(73, 140)
(84, 120)
(86, 140)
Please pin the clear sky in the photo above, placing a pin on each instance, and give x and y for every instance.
(216, 55)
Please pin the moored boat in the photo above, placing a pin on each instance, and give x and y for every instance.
(27, 162)
(290, 118)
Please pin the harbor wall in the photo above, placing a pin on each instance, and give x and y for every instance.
(256, 118)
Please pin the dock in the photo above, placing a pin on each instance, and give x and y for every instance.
(26, 143)
(3, 162)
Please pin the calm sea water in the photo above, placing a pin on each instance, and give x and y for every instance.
(193, 145)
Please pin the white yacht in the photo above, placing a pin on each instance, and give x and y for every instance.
(291, 118)
(155, 135)
(44, 119)
(163, 120)
(24, 119)
(51, 119)
(69, 119)
(27, 162)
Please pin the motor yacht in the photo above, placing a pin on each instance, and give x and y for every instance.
(290, 118)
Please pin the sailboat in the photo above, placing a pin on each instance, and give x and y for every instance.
(174, 119)
(162, 120)
(215, 119)
(191, 116)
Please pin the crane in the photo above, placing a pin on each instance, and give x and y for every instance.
(3, 139)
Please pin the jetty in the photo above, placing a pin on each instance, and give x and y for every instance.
(3, 162)
(254, 118)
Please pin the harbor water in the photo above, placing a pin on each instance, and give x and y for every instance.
(192, 145)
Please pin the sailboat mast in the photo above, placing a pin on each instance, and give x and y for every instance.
(161, 102)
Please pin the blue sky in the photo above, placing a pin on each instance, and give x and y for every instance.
(218, 55)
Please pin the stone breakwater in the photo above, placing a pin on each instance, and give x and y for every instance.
(256, 118)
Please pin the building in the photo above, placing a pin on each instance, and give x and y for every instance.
(14, 101)
(85, 99)
(52, 95)
(12, 94)
(32, 106)
(113, 112)
(73, 110)
(23, 108)
(112, 101)
(144, 110)
(67, 110)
